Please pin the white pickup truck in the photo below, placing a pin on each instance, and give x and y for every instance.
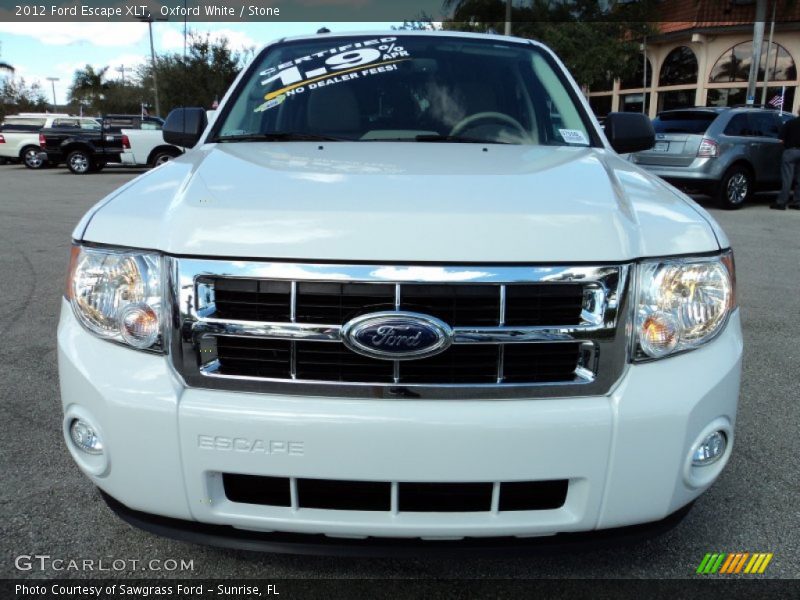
(146, 147)
(403, 287)
(19, 135)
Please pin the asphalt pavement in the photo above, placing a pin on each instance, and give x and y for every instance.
(48, 507)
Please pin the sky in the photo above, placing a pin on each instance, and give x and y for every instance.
(40, 50)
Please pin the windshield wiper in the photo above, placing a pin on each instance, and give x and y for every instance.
(457, 139)
(279, 136)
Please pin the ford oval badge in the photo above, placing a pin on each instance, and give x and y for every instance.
(397, 335)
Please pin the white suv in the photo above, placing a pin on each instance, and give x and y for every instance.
(19, 135)
(403, 286)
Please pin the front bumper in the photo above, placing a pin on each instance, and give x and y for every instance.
(224, 536)
(702, 173)
(626, 454)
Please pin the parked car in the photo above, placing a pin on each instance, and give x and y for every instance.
(19, 135)
(726, 153)
(90, 150)
(146, 147)
(402, 286)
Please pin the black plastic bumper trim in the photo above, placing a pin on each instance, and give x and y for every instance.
(224, 536)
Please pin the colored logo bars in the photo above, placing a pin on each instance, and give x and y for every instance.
(734, 563)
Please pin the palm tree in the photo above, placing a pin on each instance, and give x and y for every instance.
(88, 86)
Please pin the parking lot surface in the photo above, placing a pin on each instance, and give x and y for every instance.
(48, 507)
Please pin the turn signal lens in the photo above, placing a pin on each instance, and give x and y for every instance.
(138, 324)
(659, 335)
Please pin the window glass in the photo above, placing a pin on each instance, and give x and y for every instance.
(408, 88)
(679, 68)
(684, 121)
(25, 122)
(66, 123)
(675, 99)
(734, 64)
(726, 97)
(780, 98)
(635, 80)
(601, 105)
(765, 124)
(777, 97)
(633, 103)
(739, 125)
(89, 124)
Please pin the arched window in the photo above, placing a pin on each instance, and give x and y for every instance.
(679, 68)
(635, 80)
(734, 64)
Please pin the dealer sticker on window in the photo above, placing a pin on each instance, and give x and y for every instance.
(352, 61)
(573, 136)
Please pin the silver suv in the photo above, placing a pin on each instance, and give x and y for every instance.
(724, 152)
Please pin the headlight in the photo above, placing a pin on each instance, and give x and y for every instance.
(682, 303)
(116, 294)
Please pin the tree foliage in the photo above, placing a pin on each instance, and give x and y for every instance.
(17, 96)
(92, 92)
(203, 76)
(209, 68)
(594, 42)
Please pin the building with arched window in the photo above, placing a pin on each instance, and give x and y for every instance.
(707, 63)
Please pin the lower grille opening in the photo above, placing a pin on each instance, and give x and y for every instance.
(533, 495)
(445, 497)
(331, 494)
(544, 362)
(344, 495)
(256, 489)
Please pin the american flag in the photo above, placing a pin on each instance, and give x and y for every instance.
(776, 101)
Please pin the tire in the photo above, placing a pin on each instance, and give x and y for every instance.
(80, 162)
(736, 187)
(30, 157)
(162, 157)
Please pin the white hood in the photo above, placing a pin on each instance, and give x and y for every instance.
(401, 202)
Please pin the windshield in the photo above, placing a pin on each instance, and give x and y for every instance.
(683, 122)
(410, 88)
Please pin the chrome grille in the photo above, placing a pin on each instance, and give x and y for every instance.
(517, 331)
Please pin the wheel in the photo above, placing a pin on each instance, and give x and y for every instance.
(79, 162)
(736, 187)
(30, 157)
(161, 158)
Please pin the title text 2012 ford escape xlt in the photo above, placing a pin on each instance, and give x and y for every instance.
(401, 287)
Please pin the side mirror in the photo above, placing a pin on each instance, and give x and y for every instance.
(629, 132)
(184, 126)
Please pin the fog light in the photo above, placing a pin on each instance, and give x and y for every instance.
(138, 324)
(710, 449)
(85, 437)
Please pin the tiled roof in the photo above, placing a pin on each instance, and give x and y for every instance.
(682, 15)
